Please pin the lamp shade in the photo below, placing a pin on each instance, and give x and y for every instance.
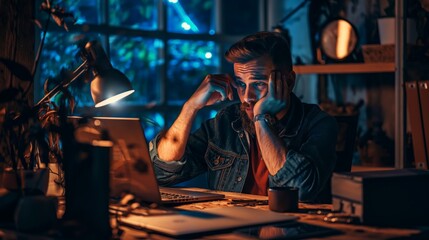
(110, 86)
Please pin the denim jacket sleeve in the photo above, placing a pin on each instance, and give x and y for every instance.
(309, 165)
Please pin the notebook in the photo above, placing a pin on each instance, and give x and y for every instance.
(131, 169)
(194, 223)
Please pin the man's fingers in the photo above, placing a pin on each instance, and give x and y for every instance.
(275, 84)
(279, 85)
(230, 93)
(285, 87)
(222, 81)
(271, 84)
(220, 88)
(229, 87)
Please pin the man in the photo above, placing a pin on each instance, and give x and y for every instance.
(270, 139)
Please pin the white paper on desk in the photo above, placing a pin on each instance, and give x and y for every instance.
(187, 222)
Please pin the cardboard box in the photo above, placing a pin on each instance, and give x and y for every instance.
(378, 53)
(386, 198)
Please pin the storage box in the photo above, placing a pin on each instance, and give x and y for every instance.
(378, 53)
(386, 198)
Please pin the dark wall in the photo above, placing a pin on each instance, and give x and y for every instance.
(16, 41)
(240, 17)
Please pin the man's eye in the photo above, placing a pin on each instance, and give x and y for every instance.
(240, 84)
(260, 84)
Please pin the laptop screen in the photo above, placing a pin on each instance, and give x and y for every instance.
(131, 169)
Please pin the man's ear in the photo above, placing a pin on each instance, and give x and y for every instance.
(290, 79)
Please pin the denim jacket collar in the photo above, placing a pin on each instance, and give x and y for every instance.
(237, 125)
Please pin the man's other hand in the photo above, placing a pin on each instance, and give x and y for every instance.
(214, 88)
(277, 95)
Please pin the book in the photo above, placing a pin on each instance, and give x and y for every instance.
(424, 107)
(416, 121)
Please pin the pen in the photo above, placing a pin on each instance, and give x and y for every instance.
(248, 201)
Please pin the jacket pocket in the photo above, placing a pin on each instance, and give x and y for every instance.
(217, 158)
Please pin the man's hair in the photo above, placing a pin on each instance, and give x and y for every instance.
(271, 44)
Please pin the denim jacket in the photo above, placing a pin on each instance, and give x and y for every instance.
(220, 147)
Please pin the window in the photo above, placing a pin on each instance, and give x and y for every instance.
(165, 47)
(189, 62)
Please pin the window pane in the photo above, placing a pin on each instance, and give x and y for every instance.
(142, 14)
(84, 11)
(202, 116)
(170, 117)
(60, 51)
(141, 61)
(190, 62)
(190, 16)
(152, 123)
(227, 66)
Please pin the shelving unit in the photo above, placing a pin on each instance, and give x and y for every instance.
(362, 68)
(397, 67)
(400, 62)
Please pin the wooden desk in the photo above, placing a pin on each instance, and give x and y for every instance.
(351, 232)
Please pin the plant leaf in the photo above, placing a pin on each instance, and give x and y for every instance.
(57, 20)
(17, 69)
(38, 24)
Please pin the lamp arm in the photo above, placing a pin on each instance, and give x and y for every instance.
(65, 83)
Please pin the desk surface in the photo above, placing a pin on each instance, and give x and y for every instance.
(309, 215)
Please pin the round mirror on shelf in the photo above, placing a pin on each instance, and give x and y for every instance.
(338, 39)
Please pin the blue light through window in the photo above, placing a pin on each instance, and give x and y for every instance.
(190, 17)
(134, 14)
(61, 52)
(188, 66)
(140, 60)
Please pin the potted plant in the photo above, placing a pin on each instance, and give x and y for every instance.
(30, 141)
(29, 134)
(386, 23)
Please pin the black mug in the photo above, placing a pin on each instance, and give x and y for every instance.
(283, 199)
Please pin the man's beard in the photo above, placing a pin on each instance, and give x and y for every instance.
(247, 123)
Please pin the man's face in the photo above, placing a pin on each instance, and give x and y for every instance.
(251, 82)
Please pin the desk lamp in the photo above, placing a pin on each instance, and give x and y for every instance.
(86, 171)
(109, 84)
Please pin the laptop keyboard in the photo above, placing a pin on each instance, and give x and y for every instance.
(174, 196)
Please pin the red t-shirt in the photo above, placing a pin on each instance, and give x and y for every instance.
(257, 177)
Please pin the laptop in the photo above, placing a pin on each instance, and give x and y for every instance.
(195, 223)
(131, 169)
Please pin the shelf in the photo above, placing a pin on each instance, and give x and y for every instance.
(360, 168)
(339, 68)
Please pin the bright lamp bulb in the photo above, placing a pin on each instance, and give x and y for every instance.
(114, 98)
